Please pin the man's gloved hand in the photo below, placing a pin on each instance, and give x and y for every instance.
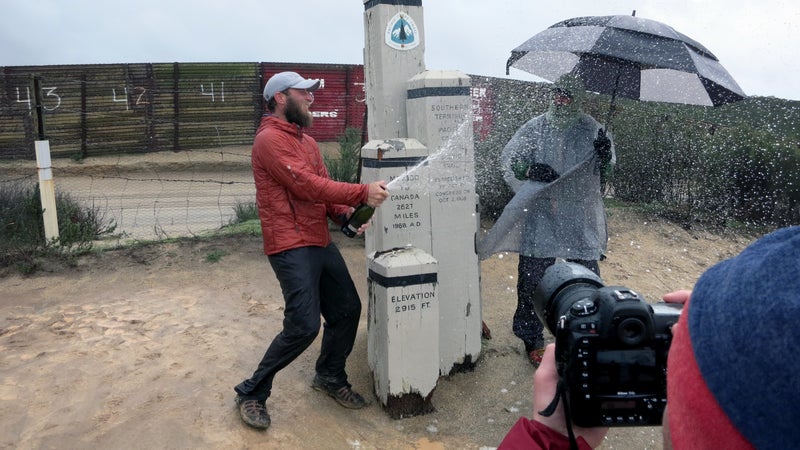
(520, 170)
(602, 145)
(542, 172)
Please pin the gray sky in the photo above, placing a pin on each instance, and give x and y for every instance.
(756, 42)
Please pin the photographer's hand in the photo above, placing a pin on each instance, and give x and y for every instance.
(545, 384)
(681, 296)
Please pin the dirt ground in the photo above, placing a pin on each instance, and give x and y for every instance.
(141, 347)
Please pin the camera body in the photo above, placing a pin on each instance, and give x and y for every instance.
(611, 346)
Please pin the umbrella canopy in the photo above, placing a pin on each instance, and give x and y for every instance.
(629, 56)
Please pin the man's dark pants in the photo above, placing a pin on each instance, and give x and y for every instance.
(314, 281)
(530, 271)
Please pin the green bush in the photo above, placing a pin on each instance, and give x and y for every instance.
(346, 166)
(244, 212)
(22, 238)
(701, 171)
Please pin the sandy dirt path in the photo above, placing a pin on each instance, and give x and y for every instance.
(140, 348)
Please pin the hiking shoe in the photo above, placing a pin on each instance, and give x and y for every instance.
(535, 354)
(343, 395)
(253, 412)
(535, 357)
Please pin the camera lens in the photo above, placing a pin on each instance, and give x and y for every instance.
(562, 285)
(631, 331)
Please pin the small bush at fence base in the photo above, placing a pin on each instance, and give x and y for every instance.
(22, 239)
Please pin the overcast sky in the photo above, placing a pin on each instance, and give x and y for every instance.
(757, 42)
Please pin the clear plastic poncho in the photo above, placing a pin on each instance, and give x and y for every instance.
(564, 218)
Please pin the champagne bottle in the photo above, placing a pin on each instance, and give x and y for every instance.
(360, 216)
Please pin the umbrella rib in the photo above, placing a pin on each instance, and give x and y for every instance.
(515, 56)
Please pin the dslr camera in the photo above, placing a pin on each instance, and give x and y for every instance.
(611, 346)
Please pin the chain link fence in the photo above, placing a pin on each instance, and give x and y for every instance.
(156, 195)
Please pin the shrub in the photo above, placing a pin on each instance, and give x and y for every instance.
(22, 238)
(244, 212)
(346, 166)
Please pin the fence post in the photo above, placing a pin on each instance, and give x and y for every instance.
(149, 110)
(47, 191)
(176, 105)
(84, 124)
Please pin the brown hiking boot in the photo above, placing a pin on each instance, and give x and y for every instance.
(344, 395)
(253, 413)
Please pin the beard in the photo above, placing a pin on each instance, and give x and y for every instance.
(295, 114)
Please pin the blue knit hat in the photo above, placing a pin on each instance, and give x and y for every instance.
(740, 335)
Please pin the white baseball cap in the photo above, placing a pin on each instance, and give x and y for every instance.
(285, 80)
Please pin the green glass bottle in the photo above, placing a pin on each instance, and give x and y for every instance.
(360, 216)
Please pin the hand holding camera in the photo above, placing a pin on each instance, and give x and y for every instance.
(545, 380)
(611, 347)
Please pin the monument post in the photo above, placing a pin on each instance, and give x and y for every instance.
(403, 323)
(420, 131)
(394, 51)
(404, 373)
(404, 219)
(439, 109)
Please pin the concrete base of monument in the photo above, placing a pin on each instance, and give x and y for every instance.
(408, 405)
(467, 366)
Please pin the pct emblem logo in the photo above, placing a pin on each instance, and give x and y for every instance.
(402, 32)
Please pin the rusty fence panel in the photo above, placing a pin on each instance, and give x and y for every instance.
(103, 109)
(139, 118)
(99, 109)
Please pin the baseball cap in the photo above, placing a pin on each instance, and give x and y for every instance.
(285, 80)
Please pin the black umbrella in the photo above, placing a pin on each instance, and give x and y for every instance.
(628, 56)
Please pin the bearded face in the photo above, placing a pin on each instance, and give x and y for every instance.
(565, 103)
(297, 113)
(564, 110)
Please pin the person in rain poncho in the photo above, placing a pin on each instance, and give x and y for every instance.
(554, 164)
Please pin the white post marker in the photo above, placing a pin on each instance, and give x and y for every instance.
(47, 190)
(403, 330)
(404, 219)
(394, 51)
(439, 109)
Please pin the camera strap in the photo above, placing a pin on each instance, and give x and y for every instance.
(562, 393)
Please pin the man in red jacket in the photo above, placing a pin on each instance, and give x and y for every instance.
(295, 198)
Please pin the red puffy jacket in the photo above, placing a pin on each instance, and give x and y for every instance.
(294, 193)
(528, 434)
